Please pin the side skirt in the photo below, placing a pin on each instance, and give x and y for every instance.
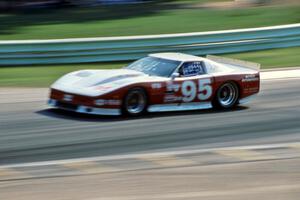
(179, 107)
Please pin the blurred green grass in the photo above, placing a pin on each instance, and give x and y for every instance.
(43, 76)
(153, 18)
(273, 58)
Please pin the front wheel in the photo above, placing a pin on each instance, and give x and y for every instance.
(135, 102)
(227, 96)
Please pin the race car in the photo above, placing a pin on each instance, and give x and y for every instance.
(158, 83)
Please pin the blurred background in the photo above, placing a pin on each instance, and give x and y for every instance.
(251, 152)
(65, 19)
(23, 4)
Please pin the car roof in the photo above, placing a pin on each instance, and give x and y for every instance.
(177, 57)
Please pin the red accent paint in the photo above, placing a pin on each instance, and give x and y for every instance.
(157, 95)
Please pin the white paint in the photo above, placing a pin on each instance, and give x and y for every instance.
(99, 111)
(156, 85)
(100, 82)
(188, 90)
(111, 102)
(179, 107)
(205, 89)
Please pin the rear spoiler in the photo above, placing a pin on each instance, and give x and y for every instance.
(235, 62)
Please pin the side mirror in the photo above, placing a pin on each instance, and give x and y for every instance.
(175, 75)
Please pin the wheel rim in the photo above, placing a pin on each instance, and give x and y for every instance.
(227, 95)
(135, 102)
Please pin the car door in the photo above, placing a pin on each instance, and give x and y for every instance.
(192, 85)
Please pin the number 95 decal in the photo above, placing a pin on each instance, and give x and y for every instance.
(190, 92)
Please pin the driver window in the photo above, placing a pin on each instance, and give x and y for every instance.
(191, 69)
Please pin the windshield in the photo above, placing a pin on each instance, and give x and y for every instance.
(154, 66)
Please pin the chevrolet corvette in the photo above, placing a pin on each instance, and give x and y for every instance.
(158, 83)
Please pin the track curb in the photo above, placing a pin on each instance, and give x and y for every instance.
(149, 161)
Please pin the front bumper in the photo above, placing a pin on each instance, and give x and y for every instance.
(83, 109)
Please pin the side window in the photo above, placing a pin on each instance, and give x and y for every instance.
(191, 69)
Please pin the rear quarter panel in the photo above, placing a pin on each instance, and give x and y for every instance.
(248, 83)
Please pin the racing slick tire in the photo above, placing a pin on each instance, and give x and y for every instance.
(135, 102)
(227, 96)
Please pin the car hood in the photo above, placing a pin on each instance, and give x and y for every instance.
(98, 82)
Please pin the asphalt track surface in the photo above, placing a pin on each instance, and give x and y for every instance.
(266, 180)
(30, 131)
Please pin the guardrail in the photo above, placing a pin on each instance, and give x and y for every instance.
(27, 52)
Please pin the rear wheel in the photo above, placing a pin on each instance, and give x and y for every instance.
(135, 102)
(227, 96)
